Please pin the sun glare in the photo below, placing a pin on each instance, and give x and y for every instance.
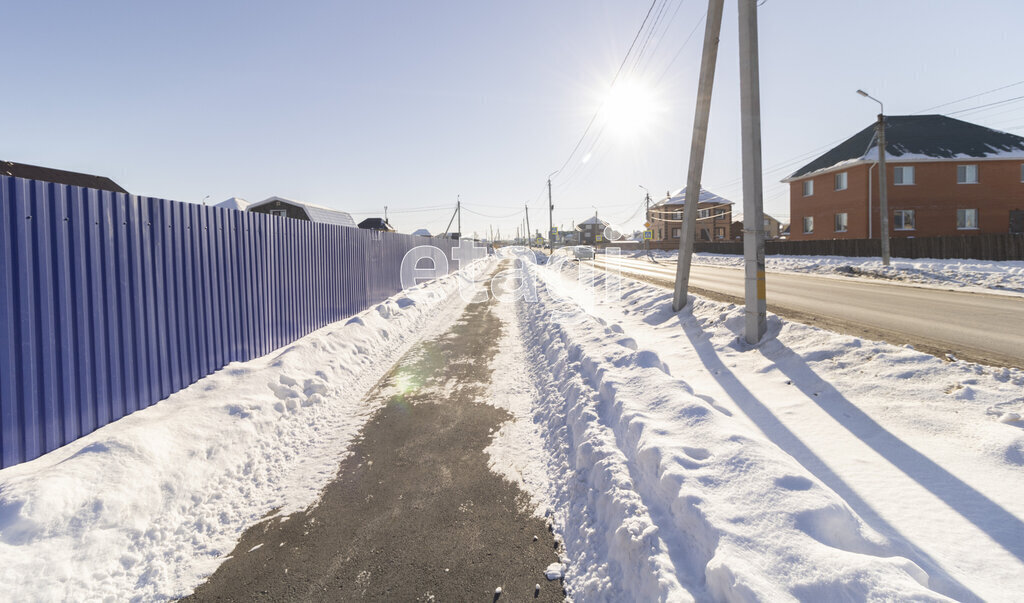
(631, 109)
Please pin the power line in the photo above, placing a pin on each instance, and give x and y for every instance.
(960, 100)
(614, 79)
(1002, 102)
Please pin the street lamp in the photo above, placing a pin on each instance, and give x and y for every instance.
(882, 197)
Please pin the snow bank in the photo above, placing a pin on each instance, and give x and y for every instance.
(679, 463)
(147, 506)
(972, 274)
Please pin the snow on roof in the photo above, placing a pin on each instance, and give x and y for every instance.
(422, 232)
(233, 203)
(594, 220)
(706, 196)
(918, 138)
(316, 213)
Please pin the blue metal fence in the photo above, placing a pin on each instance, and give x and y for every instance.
(111, 302)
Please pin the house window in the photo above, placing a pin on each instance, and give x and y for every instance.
(659, 234)
(808, 224)
(1022, 172)
(280, 213)
(719, 232)
(841, 181)
(967, 219)
(677, 215)
(719, 212)
(841, 222)
(703, 213)
(675, 233)
(903, 175)
(967, 174)
(808, 188)
(903, 219)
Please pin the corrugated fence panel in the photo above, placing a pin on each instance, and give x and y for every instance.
(111, 302)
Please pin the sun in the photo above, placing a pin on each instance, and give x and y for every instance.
(632, 109)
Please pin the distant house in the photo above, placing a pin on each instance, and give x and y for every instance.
(297, 210)
(45, 174)
(772, 229)
(591, 231)
(380, 224)
(944, 177)
(422, 232)
(714, 217)
(236, 203)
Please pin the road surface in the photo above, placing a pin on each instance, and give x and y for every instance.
(978, 327)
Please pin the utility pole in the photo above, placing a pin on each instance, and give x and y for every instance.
(697, 144)
(647, 219)
(753, 210)
(529, 235)
(883, 197)
(458, 210)
(385, 213)
(551, 224)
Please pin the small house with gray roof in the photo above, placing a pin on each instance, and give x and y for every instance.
(298, 210)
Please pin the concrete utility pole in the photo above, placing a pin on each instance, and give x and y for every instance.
(647, 219)
(458, 210)
(883, 198)
(529, 235)
(697, 144)
(753, 210)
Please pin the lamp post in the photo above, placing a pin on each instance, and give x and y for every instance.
(883, 199)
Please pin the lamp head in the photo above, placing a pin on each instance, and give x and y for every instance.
(861, 92)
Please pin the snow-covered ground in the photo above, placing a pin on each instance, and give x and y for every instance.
(144, 508)
(674, 461)
(997, 277)
(678, 462)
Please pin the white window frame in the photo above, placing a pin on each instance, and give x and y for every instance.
(808, 187)
(842, 181)
(968, 169)
(846, 222)
(808, 221)
(900, 173)
(903, 213)
(719, 212)
(966, 209)
(703, 214)
(675, 232)
(677, 215)
(279, 213)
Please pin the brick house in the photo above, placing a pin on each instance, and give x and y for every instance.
(591, 231)
(714, 216)
(945, 177)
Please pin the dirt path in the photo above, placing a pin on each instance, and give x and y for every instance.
(414, 513)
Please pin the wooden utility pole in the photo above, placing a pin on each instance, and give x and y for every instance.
(551, 224)
(697, 145)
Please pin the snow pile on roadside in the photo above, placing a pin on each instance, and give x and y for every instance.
(679, 463)
(996, 276)
(147, 506)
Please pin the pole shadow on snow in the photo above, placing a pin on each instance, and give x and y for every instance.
(790, 443)
(987, 515)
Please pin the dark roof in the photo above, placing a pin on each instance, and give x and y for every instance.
(375, 224)
(35, 172)
(910, 137)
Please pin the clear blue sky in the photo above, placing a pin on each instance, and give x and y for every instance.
(358, 105)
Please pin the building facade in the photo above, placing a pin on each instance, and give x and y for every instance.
(944, 177)
(714, 217)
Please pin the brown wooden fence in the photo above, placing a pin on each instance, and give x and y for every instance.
(994, 247)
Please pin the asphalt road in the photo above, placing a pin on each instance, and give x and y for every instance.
(972, 326)
(414, 514)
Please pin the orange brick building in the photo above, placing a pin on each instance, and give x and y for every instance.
(714, 217)
(945, 177)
